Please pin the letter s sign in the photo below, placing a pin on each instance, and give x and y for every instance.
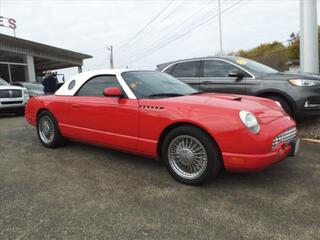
(12, 23)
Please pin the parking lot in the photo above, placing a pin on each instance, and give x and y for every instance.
(86, 192)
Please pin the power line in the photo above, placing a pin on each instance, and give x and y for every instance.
(147, 25)
(175, 28)
(162, 19)
(220, 27)
(181, 27)
(160, 46)
(203, 19)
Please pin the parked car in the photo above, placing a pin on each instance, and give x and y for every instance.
(298, 94)
(12, 98)
(34, 89)
(154, 114)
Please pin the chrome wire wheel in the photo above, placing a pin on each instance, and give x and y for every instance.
(46, 129)
(187, 157)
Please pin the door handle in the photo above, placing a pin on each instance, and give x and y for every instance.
(75, 105)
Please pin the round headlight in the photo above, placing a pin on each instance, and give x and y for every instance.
(250, 121)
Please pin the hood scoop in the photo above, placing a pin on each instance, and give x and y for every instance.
(237, 99)
(230, 97)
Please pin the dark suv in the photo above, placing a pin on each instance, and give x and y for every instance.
(299, 94)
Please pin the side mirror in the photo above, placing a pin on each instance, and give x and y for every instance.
(236, 73)
(112, 92)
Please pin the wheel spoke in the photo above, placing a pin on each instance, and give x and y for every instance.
(46, 129)
(187, 156)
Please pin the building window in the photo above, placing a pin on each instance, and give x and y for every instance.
(12, 57)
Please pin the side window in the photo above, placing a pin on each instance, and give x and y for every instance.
(170, 69)
(96, 85)
(186, 69)
(216, 68)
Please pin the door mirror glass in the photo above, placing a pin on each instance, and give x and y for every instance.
(236, 73)
(112, 92)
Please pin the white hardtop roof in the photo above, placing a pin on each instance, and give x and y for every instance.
(81, 78)
(90, 74)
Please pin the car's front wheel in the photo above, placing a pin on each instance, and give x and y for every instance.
(48, 130)
(190, 155)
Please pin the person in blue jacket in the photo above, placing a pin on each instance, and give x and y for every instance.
(49, 83)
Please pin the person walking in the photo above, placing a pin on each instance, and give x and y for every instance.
(49, 83)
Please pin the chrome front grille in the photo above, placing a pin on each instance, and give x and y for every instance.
(285, 137)
(8, 93)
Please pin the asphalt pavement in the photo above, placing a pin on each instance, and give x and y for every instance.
(87, 192)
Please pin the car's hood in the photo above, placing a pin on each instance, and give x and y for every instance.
(36, 92)
(266, 110)
(288, 76)
(10, 87)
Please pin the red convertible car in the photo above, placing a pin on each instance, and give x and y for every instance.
(150, 113)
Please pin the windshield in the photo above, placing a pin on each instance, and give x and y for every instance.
(255, 66)
(151, 84)
(33, 86)
(3, 82)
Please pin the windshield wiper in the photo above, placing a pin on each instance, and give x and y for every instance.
(165, 95)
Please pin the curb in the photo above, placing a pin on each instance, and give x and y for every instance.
(311, 140)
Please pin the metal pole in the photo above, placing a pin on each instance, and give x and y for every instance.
(110, 48)
(111, 57)
(10, 77)
(220, 27)
(309, 55)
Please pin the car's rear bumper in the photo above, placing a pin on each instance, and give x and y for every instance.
(256, 162)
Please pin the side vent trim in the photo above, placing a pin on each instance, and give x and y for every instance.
(151, 107)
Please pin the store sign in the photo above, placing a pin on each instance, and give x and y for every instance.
(8, 22)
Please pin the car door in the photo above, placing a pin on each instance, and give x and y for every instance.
(214, 77)
(108, 121)
(187, 72)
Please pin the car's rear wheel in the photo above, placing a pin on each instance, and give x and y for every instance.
(190, 155)
(284, 103)
(48, 130)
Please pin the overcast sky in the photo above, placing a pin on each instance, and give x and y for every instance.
(89, 26)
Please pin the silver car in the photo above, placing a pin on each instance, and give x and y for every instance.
(34, 89)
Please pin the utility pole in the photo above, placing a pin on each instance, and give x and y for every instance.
(220, 27)
(110, 48)
(309, 56)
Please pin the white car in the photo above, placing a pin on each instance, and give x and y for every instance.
(12, 98)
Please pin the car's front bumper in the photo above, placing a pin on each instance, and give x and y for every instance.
(256, 162)
(310, 112)
(307, 101)
(13, 103)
